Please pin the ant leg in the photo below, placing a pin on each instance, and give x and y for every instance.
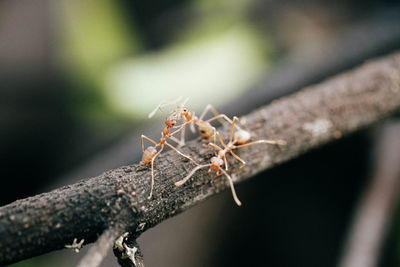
(180, 127)
(220, 139)
(176, 140)
(152, 172)
(192, 128)
(218, 174)
(184, 180)
(217, 116)
(232, 189)
(163, 103)
(215, 135)
(215, 146)
(223, 116)
(238, 158)
(270, 142)
(180, 153)
(182, 141)
(233, 126)
(215, 112)
(207, 108)
(184, 102)
(226, 163)
(152, 179)
(148, 139)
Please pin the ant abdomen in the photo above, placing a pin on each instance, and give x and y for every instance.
(205, 128)
(242, 137)
(148, 155)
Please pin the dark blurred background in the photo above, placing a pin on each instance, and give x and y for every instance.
(78, 78)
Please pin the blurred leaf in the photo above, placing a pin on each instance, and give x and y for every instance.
(212, 68)
(94, 36)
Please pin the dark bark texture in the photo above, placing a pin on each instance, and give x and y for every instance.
(117, 199)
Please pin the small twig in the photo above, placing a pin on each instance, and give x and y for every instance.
(135, 255)
(99, 250)
(376, 207)
(128, 252)
(75, 246)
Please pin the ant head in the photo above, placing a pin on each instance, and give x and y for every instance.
(216, 164)
(170, 122)
(182, 110)
(187, 113)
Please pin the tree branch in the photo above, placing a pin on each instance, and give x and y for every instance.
(305, 120)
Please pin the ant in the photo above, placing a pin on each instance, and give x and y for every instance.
(174, 118)
(189, 117)
(205, 128)
(238, 140)
(151, 153)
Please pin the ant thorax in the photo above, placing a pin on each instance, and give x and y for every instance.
(242, 137)
(165, 132)
(221, 153)
(188, 116)
(162, 140)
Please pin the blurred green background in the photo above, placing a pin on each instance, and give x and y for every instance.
(78, 79)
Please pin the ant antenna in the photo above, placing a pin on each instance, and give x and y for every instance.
(184, 180)
(162, 104)
(235, 198)
(186, 100)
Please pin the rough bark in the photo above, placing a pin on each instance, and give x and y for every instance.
(118, 198)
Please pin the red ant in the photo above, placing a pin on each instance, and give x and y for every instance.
(240, 139)
(150, 153)
(205, 128)
(174, 118)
